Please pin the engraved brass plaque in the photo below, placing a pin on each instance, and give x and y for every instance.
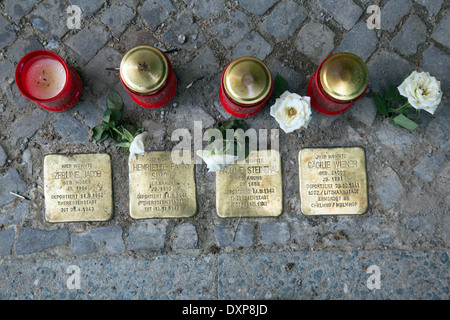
(253, 189)
(333, 181)
(159, 188)
(78, 187)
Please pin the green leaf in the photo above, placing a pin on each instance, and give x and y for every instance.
(281, 85)
(107, 115)
(114, 101)
(115, 115)
(124, 144)
(381, 105)
(97, 132)
(404, 122)
(127, 134)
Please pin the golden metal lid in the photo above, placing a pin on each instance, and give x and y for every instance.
(344, 76)
(247, 80)
(144, 69)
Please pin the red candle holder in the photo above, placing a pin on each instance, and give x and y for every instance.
(43, 77)
(147, 74)
(341, 80)
(246, 85)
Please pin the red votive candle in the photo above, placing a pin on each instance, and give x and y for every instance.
(147, 75)
(245, 87)
(340, 80)
(44, 77)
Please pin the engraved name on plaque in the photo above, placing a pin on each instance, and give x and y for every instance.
(160, 188)
(333, 181)
(253, 189)
(78, 187)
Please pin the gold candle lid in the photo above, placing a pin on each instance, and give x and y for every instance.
(247, 80)
(344, 76)
(144, 69)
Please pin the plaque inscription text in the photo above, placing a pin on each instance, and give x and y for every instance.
(78, 187)
(159, 188)
(253, 189)
(333, 181)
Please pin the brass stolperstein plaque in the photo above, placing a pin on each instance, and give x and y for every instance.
(253, 189)
(333, 181)
(78, 187)
(159, 188)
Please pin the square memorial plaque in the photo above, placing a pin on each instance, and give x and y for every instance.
(333, 181)
(159, 188)
(253, 189)
(78, 187)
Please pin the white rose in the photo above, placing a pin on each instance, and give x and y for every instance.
(291, 111)
(422, 90)
(216, 158)
(137, 145)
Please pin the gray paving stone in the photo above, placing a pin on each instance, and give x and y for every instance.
(34, 240)
(233, 29)
(403, 141)
(346, 12)
(165, 277)
(312, 275)
(88, 7)
(410, 36)
(27, 126)
(50, 17)
(316, 41)
(16, 214)
(392, 12)
(6, 241)
(97, 78)
(106, 240)
(206, 8)
(243, 236)
(3, 157)
(440, 33)
(275, 233)
(364, 111)
(295, 79)
(23, 46)
(385, 68)
(7, 34)
(204, 65)
(10, 182)
(184, 25)
(258, 7)
(388, 188)
(435, 130)
(147, 236)
(253, 45)
(284, 19)
(435, 61)
(92, 114)
(185, 237)
(428, 166)
(88, 41)
(360, 40)
(117, 18)
(433, 6)
(18, 9)
(70, 129)
(154, 12)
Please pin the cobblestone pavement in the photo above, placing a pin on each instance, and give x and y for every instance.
(405, 233)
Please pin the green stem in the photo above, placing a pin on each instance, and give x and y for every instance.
(115, 129)
(399, 109)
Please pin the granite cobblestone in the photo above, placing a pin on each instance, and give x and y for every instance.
(406, 231)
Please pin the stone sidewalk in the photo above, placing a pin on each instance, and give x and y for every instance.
(405, 233)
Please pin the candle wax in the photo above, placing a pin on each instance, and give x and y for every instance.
(45, 78)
